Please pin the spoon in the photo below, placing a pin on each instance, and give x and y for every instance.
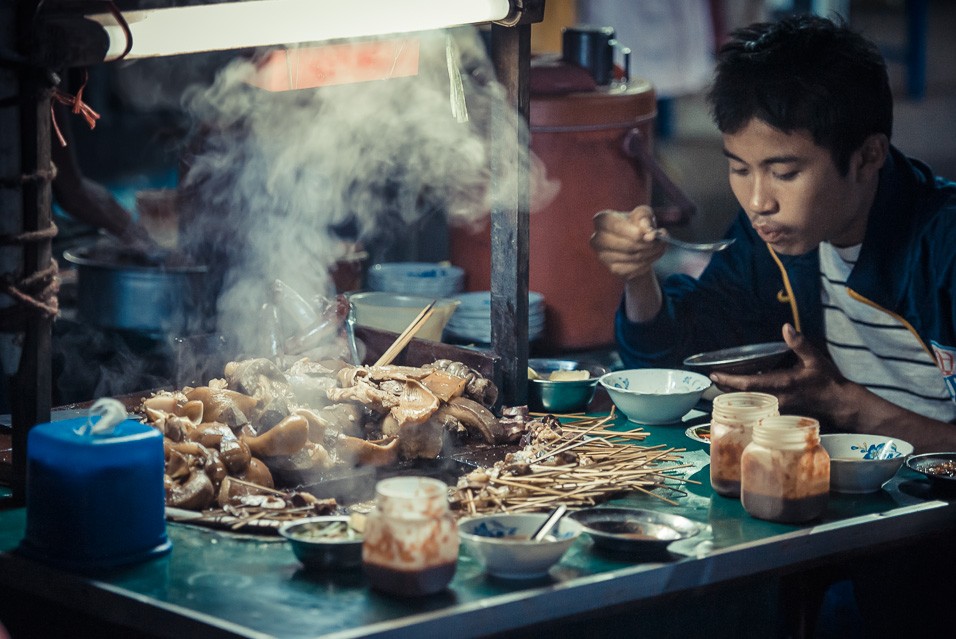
(549, 523)
(350, 335)
(704, 247)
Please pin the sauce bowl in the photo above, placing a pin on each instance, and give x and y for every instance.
(502, 543)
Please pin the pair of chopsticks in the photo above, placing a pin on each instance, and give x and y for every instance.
(406, 336)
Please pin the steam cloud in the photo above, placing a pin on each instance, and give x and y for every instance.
(281, 183)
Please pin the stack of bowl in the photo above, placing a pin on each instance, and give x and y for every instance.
(424, 279)
(472, 321)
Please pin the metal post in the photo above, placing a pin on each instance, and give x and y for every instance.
(511, 56)
(31, 387)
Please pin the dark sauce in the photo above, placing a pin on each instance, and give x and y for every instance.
(410, 583)
(790, 511)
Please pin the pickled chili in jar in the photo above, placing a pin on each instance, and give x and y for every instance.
(733, 418)
(785, 471)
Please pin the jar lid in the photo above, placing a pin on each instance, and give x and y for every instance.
(787, 431)
(744, 408)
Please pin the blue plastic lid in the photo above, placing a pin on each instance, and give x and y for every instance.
(95, 499)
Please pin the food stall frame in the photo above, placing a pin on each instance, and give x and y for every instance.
(36, 44)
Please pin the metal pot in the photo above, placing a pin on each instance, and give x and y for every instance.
(156, 295)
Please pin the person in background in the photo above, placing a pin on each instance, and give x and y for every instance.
(843, 244)
(86, 200)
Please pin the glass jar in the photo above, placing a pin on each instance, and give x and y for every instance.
(410, 545)
(733, 417)
(785, 471)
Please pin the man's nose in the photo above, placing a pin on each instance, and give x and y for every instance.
(761, 200)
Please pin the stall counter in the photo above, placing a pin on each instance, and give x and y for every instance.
(222, 584)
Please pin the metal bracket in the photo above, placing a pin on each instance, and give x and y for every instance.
(523, 12)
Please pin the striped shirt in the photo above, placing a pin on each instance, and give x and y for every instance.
(872, 348)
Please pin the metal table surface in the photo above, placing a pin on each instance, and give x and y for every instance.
(221, 584)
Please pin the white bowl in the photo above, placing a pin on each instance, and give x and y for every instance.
(855, 466)
(394, 312)
(655, 395)
(502, 544)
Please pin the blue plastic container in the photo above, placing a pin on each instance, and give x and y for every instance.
(94, 500)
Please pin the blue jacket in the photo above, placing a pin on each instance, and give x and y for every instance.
(907, 267)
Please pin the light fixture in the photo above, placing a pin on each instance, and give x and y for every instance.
(257, 23)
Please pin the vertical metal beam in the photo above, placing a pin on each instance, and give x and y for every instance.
(31, 390)
(511, 57)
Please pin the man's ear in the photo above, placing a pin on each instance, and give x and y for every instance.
(872, 155)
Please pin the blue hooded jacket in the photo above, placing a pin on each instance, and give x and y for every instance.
(906, 267)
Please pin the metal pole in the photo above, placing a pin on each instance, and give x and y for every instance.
(31, 387)
(511, 57)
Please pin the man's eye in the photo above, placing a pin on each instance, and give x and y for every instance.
(738, 171)
(786, 177)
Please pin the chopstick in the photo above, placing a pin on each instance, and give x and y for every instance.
(406, 336)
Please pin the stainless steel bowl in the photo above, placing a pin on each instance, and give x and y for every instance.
(323, 553)
(117, 290)
(936, 467)
(633, 529)
(547, 396)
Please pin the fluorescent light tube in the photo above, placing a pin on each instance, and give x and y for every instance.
(257, 23)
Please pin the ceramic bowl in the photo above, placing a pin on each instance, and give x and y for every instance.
(319, 550)
(655, 395)
(502, 544)
(571, 396)
(394, 312)
(863, 463)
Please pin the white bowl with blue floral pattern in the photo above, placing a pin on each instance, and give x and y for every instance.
(655, 395)
(863, 463)
(502, 543)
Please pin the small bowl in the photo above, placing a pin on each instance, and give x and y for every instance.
(502, 544)
(855, 466)
(323, 553)
(655, 395)
(939, 468)
(572, 396)
(633, 529)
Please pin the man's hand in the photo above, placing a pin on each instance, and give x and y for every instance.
(626, 242)
(812, 387)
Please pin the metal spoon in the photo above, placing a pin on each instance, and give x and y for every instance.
(350, 335)
(549, 523)
(705, 247)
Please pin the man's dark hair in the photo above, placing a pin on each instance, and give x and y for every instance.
(804, 73)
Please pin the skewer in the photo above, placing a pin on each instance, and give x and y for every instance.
(265, 489)
(406, 336)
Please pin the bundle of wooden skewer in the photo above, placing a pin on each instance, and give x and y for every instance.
(406, 336)
(578, 463)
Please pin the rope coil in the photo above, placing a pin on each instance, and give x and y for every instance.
(34, 295)
(42, 175)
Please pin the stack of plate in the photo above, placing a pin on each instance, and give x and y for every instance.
(472, 321)
(425, 279)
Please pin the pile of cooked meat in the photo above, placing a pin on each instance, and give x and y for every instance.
(313, 416)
